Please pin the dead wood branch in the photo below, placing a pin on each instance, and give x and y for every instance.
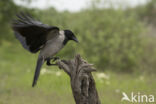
(82, 82)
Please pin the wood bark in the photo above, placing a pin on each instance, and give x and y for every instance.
(82, 81)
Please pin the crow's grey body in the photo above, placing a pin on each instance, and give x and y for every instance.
(36, 36)
(52, 46)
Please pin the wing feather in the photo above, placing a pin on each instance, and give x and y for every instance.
(31, 33)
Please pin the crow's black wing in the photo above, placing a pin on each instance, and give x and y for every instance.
(31, 33)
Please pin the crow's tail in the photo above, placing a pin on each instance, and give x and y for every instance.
(40, 62)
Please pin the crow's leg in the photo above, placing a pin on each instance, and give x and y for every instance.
(53, 60)
(48, 62)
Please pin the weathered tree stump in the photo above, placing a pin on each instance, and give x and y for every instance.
(82, 82)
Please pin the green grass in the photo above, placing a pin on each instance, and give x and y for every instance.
(16, 74)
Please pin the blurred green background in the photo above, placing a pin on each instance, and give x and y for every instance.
(120, 42)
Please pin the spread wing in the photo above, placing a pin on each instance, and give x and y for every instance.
(31, 33)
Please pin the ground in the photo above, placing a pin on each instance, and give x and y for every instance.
(16, 74)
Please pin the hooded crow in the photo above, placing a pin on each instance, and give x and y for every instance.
(36, 36)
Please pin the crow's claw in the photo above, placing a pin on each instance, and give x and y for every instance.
(55, 58)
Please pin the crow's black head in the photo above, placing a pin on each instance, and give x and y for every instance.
(70, 35)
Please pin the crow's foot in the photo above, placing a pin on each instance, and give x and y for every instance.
(53, 60)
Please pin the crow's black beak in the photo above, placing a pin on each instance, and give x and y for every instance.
(75, 39)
